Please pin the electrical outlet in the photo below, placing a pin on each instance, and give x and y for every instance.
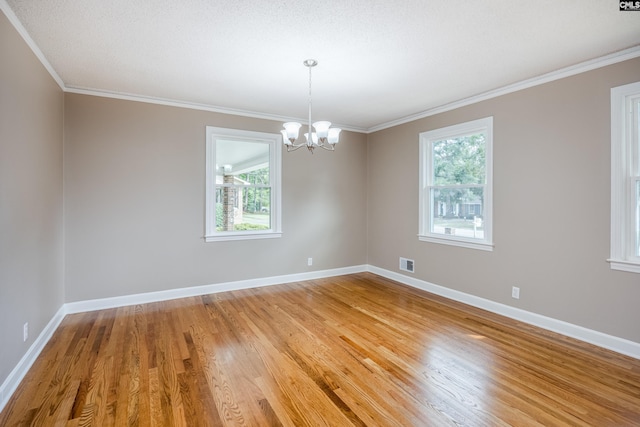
(515, 292)
(309, 261)
(25, 332)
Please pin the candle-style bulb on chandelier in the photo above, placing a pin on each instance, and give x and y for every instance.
(324, 136)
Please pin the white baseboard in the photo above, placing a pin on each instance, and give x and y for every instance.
(104, 303)
(600, 339)
(9, 386)
(619, 345)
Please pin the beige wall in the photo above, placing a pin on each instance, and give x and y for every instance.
(134, 202)
(31, 241)
(551, 205)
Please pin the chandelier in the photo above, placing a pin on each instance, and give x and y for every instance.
(324, 136)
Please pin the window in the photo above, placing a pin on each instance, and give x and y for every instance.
(625, 178)
(455, 185)
(242, 185)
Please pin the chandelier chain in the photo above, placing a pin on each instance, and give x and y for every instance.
(310, 65)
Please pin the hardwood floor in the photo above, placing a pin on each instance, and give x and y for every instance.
(352, 350)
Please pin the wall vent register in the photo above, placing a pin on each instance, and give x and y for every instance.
(406, 265)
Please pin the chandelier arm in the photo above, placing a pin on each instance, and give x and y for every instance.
(332, 147)
(295, 147)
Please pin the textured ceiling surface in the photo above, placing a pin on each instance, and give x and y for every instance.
(379, 60)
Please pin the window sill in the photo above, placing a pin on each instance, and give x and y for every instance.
(464, 243)
(241, 236)
(631, 267)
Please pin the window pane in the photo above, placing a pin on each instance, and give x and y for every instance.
(243, 208)
(459, 160)
(636, 141)
(458, 212)
(239, 159)
(638, 218)
(242, 168)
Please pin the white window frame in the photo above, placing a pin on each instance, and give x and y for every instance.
(427, 139)
(275, 154)
(625, 176)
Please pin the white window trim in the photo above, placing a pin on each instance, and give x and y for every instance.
(275, 152)
(425, 210)
(622, 157)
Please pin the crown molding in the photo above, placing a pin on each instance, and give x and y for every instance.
(195, 106)
(13, 19)
(582, 67)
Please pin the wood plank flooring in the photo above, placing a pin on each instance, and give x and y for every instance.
(355, 350)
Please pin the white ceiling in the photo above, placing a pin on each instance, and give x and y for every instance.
(380, 61)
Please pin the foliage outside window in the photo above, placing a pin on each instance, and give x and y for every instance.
(455, 185)
(243, 185)
(625, 178)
